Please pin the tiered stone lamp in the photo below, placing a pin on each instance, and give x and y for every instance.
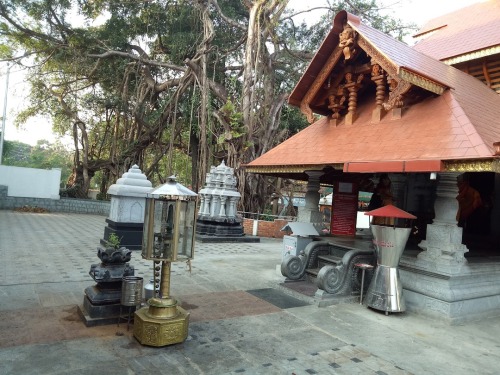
(126, 215)
(169, 229)
(217, 218)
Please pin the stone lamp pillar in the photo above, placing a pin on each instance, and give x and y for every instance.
(126, 215)
(169, 229)
(218, 220)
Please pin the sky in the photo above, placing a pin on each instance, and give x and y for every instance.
(416, 11)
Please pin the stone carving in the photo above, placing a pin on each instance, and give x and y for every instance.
(111, 255)
(114, 265)
(219, 197)
(340, 279)
(102, 301)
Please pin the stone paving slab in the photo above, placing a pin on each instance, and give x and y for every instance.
(44, 266)
(277, 298)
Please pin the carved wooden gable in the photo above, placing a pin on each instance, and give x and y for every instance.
(357, 69)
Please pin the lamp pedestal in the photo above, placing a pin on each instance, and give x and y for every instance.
(161, 331)
(163, 322)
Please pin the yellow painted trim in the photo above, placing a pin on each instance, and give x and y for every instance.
(472, 55)
(291, 168)
(474, 165)
(422, 82)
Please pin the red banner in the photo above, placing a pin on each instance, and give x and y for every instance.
(344, 209)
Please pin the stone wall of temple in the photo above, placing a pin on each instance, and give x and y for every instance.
(70, 205)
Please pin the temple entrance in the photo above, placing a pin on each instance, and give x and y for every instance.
(478, 235)
(480, 223)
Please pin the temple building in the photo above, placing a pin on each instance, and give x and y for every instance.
(429, 118)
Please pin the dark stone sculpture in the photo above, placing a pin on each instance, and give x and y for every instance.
(101, 303)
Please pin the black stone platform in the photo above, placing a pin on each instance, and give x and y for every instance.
(222, 231)
(130, 234)
(101, 305)
(110, 314)
(214, 239)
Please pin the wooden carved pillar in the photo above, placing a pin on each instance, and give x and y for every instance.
(378, 78)
(335, 103)
(397, 88)
(352, 87)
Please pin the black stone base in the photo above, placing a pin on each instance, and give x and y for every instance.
(102, 314)
(98, 295)
(130, 234)
(212, 231)
(214, 239)
(210, 228)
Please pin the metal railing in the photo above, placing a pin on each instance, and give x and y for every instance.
(265, 217)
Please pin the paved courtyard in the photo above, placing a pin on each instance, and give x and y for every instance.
(241, 320)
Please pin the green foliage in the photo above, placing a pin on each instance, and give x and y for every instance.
(234, 119)
(124, 89)
(113, 241)
(44, 155)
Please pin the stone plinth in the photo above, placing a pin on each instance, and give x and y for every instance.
(126, 215)
(472, 293)
(443, 244)
(440, 281)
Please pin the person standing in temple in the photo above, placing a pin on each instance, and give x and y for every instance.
(382, 196)
(469, 200)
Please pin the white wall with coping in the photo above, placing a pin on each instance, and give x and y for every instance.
(31, 182)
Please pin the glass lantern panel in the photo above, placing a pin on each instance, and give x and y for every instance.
(163, 229)
(186, 229)
(147, 235)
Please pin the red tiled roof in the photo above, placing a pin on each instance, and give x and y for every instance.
(462, 123)
(436, 129)
(473, 28)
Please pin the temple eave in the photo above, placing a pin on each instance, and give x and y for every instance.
(421, 81)
(491, 164)
(473, 165)
(472, 55)
(273, 169)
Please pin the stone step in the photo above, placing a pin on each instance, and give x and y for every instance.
(312, 271)
(325, 260)
(312, 274)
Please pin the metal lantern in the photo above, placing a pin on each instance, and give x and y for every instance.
(169, 223)
(169, 230)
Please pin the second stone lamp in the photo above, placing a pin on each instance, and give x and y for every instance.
(169, 228)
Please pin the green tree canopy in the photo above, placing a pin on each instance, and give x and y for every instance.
(167, 84)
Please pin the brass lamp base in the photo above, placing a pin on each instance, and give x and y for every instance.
(150, 328)
(162, 308)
